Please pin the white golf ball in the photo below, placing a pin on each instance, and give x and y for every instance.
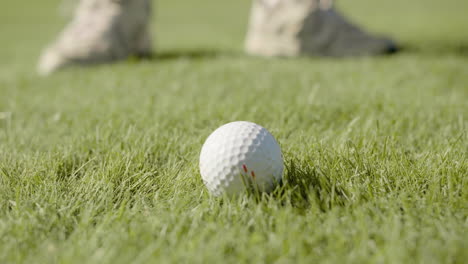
(240, 155)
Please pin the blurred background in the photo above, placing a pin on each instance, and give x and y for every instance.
(429, 26)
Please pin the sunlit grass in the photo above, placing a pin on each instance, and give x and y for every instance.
(100, 165)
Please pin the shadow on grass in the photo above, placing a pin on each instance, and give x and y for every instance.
(305, 185)
(438, 48)
(434, 48)
(187, 54)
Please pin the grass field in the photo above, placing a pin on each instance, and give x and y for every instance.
(100, 165)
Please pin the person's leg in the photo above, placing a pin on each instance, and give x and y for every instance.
(101, 31)
(307, 27)
(108, 30)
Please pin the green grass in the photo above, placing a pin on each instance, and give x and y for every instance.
(100, 165)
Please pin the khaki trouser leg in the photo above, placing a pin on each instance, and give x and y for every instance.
(307, 27)
(101, 31)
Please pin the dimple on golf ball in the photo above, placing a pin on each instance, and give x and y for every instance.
(240, 155)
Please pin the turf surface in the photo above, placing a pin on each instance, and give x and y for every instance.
(100, 165)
